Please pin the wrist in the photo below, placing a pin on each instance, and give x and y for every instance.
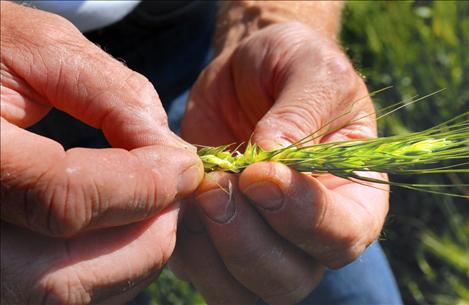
(239, 19)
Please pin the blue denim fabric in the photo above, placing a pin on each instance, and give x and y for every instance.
(367, 281)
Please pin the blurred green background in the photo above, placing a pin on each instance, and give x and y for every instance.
(418, 48)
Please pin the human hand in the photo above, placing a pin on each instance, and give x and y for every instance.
(53, 201)
(273, 232)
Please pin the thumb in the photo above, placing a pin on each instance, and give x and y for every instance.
(317, 111)
(315, 91)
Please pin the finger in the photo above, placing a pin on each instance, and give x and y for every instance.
(204, 112)
(200, 262)
(20, 104)
(76, 76)
(187, 219)
(256, 256)
(331, 220)
(312, 84)
(61, 193)
(103, 267)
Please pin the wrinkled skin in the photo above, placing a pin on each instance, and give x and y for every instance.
(274, 233)
(82, 226)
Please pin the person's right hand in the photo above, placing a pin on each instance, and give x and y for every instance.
(82, 226)
(269, 232)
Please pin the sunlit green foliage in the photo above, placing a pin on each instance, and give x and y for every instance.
(169, 290)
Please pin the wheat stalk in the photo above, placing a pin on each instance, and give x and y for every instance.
(424, 152)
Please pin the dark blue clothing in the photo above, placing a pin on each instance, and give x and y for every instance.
(171, 47)
(367, 281)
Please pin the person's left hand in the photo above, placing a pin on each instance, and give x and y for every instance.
(271, 237)
(83, 225)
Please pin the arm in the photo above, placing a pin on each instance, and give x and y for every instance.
(239, 19)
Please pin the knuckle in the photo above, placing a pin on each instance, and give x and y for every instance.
(37, 205)
(338, 64)
(62, 209)
(322, 204)
(142, 100)
(288, 292)
(300, 117)
(347, 250)
(291, 32)
(299, 26)
(140, 86)
(165, 249)
(346, 245)
(157, 194)
(272, 286)
(293, 121)
(137, 81)
(57, 28)
(345, 79)
(53, 29)
(63, 289)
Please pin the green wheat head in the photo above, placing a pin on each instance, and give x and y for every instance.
(425, 152)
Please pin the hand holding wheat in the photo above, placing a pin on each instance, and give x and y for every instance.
(276, 97)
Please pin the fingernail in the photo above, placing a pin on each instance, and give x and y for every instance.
(217, 205)
(266, 195)
(189, 180)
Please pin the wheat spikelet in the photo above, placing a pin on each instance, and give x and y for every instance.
(424, 152)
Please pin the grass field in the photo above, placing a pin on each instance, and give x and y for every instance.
(418, 48)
